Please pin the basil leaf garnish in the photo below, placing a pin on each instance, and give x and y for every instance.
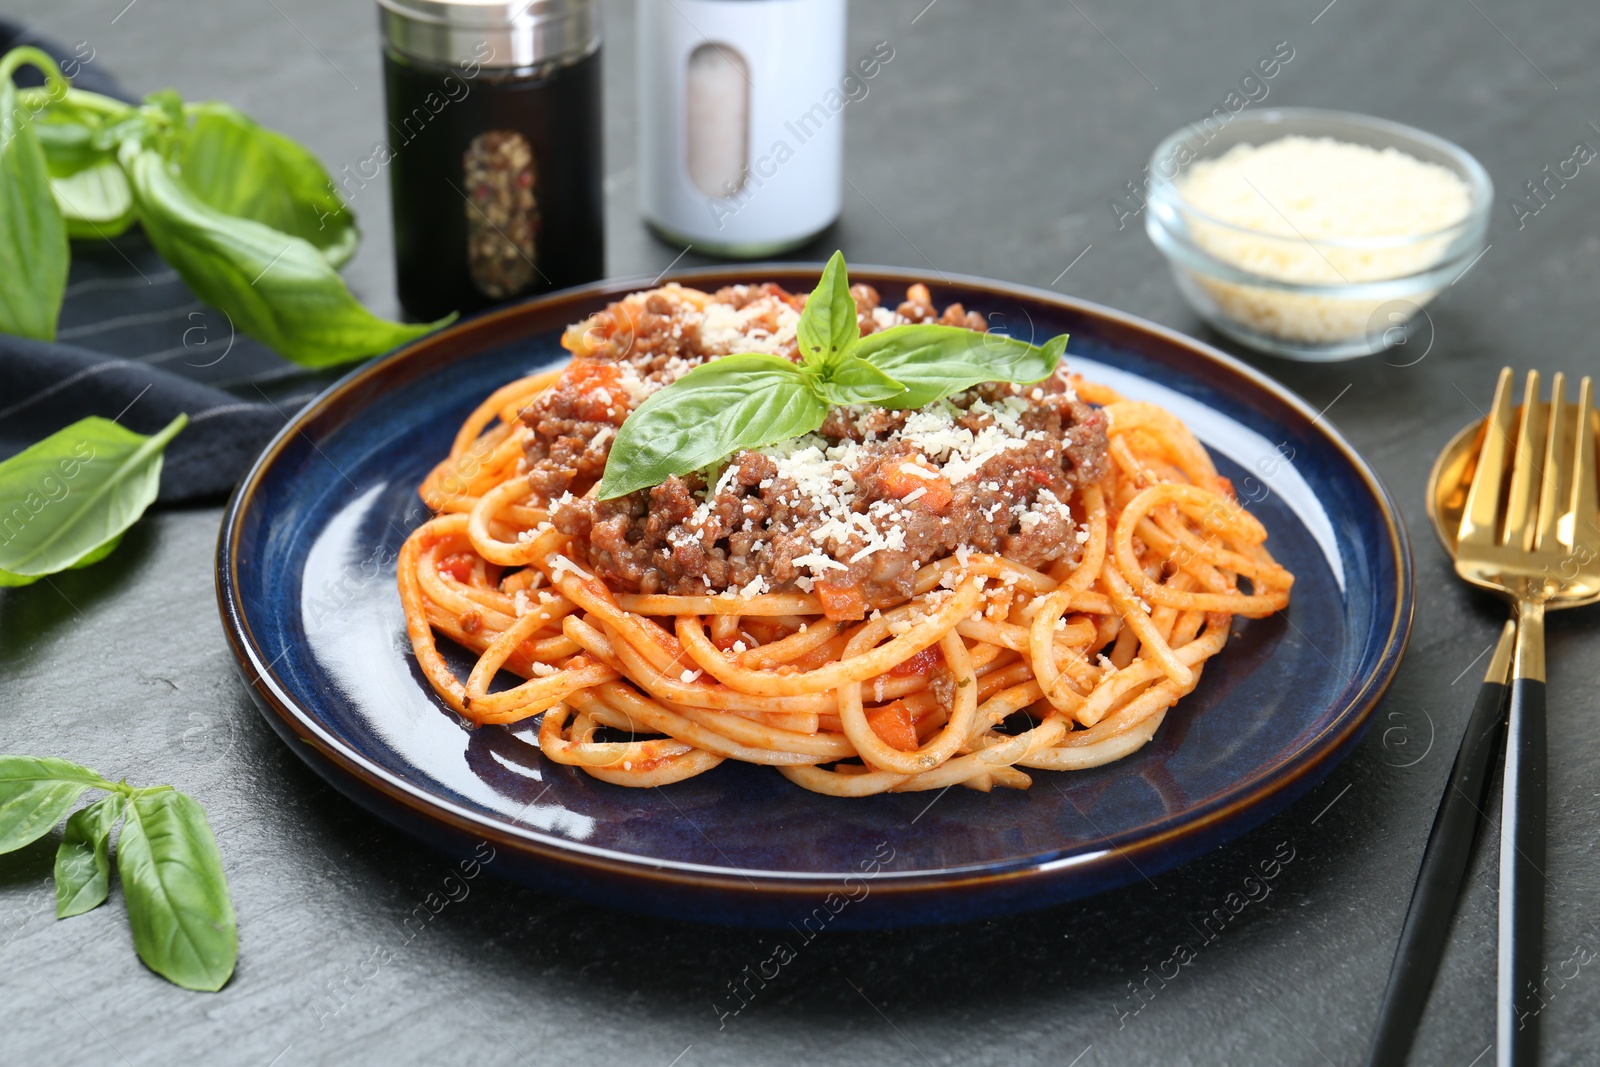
(276, 287)
(35, 792)
(178, 907)
(33, 236)
(828, 325)
(750, 400)
(733, 403)
(855, 381)
(933, 361)
(83, 860)
(68, 498)
(242, 169)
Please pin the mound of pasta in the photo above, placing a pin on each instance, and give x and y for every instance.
(1014, 577)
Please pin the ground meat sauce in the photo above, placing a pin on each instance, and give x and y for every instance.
(850, 512)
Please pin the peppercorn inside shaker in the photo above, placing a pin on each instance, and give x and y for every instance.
(493, 149)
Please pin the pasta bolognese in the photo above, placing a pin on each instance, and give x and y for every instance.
(1017, 576)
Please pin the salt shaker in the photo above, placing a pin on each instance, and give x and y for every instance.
(741, 131)
(493, 149)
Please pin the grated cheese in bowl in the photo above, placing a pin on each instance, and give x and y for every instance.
(1314, 234)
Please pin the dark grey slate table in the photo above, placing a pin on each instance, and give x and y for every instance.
(991, 144)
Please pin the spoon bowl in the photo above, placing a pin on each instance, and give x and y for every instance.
(1449, 480)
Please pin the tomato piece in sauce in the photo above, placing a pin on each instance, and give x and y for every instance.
(924, 662)
(905, 478)
(841, 602)
(599, 390)
(894, 726)
(458, 566)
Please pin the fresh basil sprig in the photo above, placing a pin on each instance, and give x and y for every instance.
(750, 400)
(68, 499)
(177, 894)
(248, 218)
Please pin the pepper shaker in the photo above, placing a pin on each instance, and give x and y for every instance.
(494, 149)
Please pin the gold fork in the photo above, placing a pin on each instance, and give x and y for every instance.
(1535, 539)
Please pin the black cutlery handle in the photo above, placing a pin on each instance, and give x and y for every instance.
(1522, 876)
(1444, 863)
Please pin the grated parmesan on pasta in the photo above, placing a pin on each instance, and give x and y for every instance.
(823, 474)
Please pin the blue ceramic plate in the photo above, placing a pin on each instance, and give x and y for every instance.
(306, 586)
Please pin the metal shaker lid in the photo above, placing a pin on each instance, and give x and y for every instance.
(493, 33)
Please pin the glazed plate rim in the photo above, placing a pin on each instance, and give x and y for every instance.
(1309, 758)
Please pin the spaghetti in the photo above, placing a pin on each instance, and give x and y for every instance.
(1024, 579)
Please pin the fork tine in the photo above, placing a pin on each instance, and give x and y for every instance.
(1522, 501)
(1555, 490)
(1584, 532)
(1480, 518)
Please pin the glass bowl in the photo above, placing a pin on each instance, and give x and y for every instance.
(1378, 284)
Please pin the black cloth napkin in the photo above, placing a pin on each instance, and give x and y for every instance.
(57, 385)
(134, 344)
